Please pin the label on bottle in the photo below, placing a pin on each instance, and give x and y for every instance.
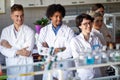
(96, 57)
(117, 54)
(104, 56)
(89, 57)
(111, 55)
(81, 57)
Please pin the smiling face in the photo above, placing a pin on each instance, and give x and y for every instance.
(17, 17)
(98, 22)
(56, 18)
(86, 26)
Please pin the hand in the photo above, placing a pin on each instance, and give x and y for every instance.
(5, 43)
(59, 50)
(24, 52)
(44, 44)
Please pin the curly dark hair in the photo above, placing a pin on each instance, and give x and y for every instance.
(55, 8)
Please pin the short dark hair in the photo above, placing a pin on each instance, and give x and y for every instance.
(97, 6)
(80, 18)
(17, 7)
(55, 8)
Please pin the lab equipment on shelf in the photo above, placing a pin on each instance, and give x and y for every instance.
(85, 61)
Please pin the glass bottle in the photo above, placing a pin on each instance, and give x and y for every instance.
(82, 59)
(97, 57)
(90, 58)
(104, 56)
(117, 53)
(70, 76)
(111, 52)
(76, 77)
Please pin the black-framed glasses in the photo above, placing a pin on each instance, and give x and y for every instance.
(86, 24)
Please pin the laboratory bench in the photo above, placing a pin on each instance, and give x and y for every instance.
(38, 70)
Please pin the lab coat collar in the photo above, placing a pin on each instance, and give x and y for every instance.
(61, 30)
(90, 38)
(21, 27)
(56, 29)
(95, 30)
(20, 32)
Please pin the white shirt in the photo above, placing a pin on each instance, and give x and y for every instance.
(78, 44)
(62, 39)
(24, 38)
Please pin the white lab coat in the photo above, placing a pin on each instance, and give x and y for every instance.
(78, 44)
(99, 35)
(60, 40)
(24, 38)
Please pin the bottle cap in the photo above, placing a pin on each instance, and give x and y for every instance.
(117, 46)
(110, 46)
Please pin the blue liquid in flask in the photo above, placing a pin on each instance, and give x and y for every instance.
(90, 60)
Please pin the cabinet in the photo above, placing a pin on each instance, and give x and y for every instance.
(48, 2)
(32, 3)
(78, 2)
(2, 6)
(27, 3)
(112, 22)
(45, 3)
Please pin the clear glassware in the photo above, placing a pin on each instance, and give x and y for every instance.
(97, 56)
(90, 59)
(70, 76)
(111, 52)
(82, 59)
(117, 53)
(111, 55)
(104, 57)
(76, 77)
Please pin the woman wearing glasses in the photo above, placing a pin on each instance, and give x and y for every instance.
(84, 41)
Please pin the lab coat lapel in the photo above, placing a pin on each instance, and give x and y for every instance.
(61, 31)
(86, 44)
(20, 33)
(13, 34)
(16, 39)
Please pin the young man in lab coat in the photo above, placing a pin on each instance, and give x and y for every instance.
(57, 35)
(17, 41)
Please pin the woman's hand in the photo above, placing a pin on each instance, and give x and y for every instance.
(44, 44)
